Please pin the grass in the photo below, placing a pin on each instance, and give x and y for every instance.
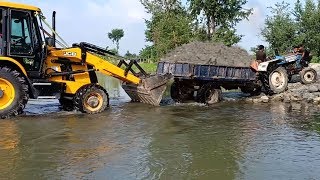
(148, 67)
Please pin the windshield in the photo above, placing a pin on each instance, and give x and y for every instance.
(49, 33)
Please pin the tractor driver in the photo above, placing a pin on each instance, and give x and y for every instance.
(260, 54)
(299, 51)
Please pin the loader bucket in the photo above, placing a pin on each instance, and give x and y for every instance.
(149, 91)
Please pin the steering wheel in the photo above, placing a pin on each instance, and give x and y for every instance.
(19, 39)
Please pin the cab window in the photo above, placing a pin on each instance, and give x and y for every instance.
(20, 34)
(1, 32)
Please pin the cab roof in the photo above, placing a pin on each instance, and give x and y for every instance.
(18, 6)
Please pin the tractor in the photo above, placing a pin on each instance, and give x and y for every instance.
(282, 69)
(35, 60)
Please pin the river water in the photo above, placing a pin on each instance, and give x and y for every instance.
(231, 140)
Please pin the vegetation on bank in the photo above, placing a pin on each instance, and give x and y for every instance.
(173, 23)
(287, 27)
(148, 67)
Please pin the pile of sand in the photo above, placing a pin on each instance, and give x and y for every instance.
(209, 54)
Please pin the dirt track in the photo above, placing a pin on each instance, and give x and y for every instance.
(209, 53)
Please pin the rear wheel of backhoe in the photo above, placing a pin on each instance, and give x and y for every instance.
(91, 99)
(13, 92)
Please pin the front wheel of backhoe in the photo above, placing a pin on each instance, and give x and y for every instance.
(91, 99)
(13, 92)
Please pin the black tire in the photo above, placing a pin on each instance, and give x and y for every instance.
(253, 91)
(66, 104)
(209, 94)
(308, 76)
(278, 80)
(289, 78)
(174, 91)
(19, 84)
(91, 99)
(179, 93)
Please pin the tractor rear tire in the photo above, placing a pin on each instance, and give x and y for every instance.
(308, 76)
(209, 94)
(91, 99)
(14, 92)
(278, 80)
(180, 93)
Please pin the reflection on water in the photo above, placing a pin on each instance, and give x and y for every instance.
(230, 140)
(137, 141)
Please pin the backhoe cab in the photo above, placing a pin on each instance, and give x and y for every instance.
(32, 65)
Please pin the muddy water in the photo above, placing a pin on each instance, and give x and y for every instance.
(137, 141)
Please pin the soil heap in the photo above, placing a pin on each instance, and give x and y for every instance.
(209, 54)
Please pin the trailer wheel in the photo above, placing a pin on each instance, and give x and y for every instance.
(278, 80)
(13, 92)
(180, 93)
(91, 99)
(209, 94)
(308, 76)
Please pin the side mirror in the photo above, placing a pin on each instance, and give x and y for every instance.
(50, 41)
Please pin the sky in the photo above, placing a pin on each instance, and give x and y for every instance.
(91, 20)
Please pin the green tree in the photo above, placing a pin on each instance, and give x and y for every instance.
(148, 53)
(220, 18)
(280, 28)
(310, 18)
(115, 35)
(288, 27)
(170, 26)
(129, 55)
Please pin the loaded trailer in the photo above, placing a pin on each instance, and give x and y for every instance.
(203, 83)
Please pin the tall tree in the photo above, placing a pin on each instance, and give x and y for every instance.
(169, 26)
(220, 17)
(115, 35)
(280, 29)
(287, 27)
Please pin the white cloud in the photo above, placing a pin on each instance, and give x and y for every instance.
(90, 21)
(129, 11)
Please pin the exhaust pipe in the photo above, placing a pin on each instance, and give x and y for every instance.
(54, 27)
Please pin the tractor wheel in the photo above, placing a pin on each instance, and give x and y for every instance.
(66, 104)
(209, 94)
(278, 80)
(91, 99)
(308, 76)
(253, 91)
(13, 92)
(179, 93)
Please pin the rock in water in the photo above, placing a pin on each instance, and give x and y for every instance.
(209, 53)
(265, 99)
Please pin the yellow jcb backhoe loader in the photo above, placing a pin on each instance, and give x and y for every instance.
(31, 65)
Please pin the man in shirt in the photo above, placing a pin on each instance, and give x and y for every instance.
(299, 55)
(260, 57)
(260, 54)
